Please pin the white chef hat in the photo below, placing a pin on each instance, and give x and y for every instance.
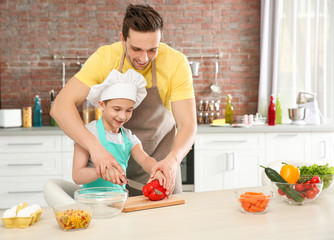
(130, 85)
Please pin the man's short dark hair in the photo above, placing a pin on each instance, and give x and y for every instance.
(141, 18)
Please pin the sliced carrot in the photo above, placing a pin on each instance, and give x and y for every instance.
(254, 201)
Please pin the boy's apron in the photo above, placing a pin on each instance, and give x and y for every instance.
(121, 153)
(155, 127)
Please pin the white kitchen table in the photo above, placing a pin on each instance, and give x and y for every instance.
(205, 215)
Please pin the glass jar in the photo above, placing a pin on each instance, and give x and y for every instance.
(200, 105)
(27, 117)
(206, 105)
(212, 105)
(206, 118)
(211, 117)
(200, 118)
(88, 113)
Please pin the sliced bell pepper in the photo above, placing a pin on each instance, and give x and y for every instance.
(149, 191)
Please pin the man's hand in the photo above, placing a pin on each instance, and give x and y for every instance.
(169, 167)
(106, 165)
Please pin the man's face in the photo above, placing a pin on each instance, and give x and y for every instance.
(141, 48)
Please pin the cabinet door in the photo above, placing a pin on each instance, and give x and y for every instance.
(243, 169)
(290, 146)
(217, 170)
(322, 148)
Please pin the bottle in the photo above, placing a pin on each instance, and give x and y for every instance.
(278, 111)
(37, 112)
(271, 112)
(52, 121)
(229, 110)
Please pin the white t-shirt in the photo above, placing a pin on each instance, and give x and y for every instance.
(112, 137)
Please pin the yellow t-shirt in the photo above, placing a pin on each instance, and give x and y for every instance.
(174, 79)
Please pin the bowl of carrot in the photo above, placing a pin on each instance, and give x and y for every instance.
(254, 200)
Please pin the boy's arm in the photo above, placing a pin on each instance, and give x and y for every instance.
(82, 174)
(142, 158)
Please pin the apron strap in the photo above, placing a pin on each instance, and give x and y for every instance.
(154, 74)
(101, 131)
(122, 62)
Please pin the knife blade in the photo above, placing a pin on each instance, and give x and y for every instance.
(135, 184)
(139, 186)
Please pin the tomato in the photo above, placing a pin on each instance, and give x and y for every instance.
(308, 185)
(303, 194)
(280, 192)
(310, 194)
(315, 179)
(316, 190)
(299, 187)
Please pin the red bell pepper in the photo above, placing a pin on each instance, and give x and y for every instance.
(148, 191)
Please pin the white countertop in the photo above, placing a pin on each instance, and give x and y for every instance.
(19, 131)
(204, 216)
(206, 128)
(203, 128)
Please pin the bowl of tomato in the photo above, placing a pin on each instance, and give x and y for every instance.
(298, 193)
(326, 179)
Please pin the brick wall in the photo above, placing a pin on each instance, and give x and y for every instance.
(32, 32)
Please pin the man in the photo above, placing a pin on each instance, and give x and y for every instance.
(169, 100)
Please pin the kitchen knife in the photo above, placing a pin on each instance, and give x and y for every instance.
(139, 186)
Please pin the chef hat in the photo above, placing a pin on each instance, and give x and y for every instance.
(130, 85)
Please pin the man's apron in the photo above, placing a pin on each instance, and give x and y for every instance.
(121, 153)
(155, 127)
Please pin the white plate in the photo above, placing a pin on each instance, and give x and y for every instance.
(220, 125)
(240, 125)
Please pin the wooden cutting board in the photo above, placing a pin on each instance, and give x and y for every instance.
(141, 203)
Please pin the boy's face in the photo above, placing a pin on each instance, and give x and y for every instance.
(116, 112)
(141, 47)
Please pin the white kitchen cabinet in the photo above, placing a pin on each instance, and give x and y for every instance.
(28, 161)
(230, 158)
(288, 146)
(322, 148)
(224, 161)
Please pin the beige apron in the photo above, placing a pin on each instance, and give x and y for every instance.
(154, 125)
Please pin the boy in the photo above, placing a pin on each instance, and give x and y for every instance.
(117, 96)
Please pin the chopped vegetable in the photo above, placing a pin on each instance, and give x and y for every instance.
(254, 201)
(73, 219)
(290, 173)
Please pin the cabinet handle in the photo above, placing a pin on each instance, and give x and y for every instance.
(230, 161)
(324, 149)
(287, 135)
(15, 192)
(229, 141)
(24, 144)
(24, 164)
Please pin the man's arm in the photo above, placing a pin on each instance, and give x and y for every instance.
(184, 112)
(64, 111)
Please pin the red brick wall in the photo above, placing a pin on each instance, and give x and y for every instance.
(33, 31)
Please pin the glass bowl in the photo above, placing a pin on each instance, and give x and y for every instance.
(107, 202)
(73, 216)
(254, 200)
(326, 179)
(298, 193)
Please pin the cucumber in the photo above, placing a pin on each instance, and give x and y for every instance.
(287, 189)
